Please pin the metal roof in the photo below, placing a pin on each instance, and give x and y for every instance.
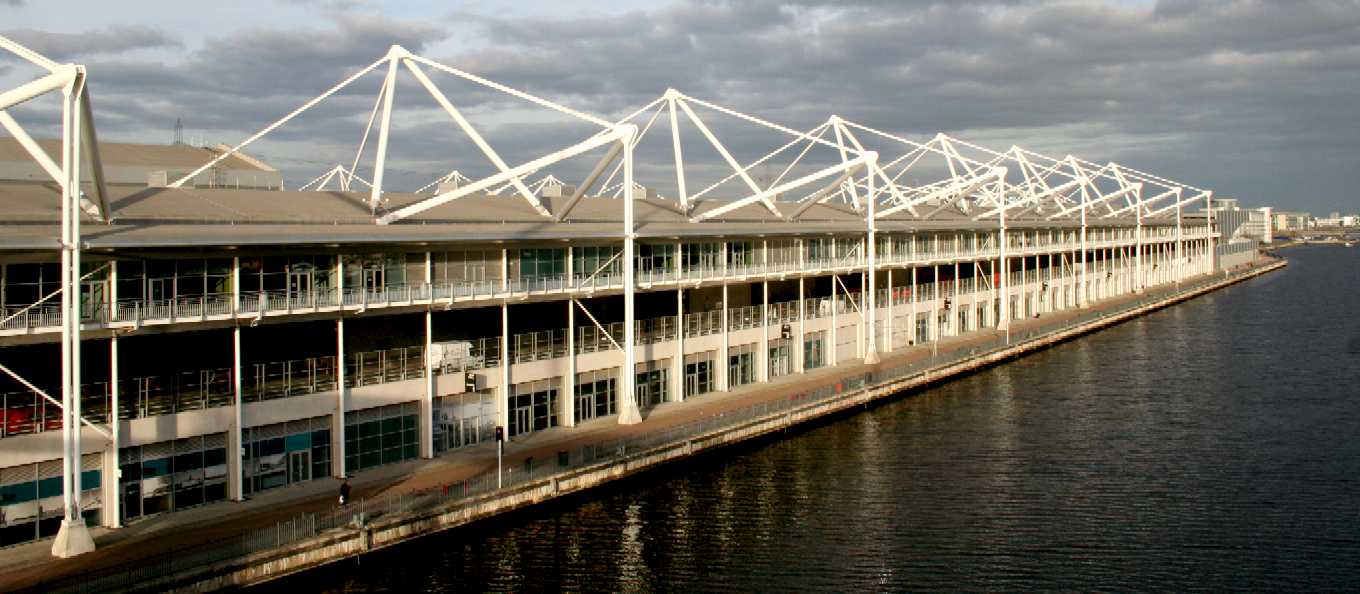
(199, 217)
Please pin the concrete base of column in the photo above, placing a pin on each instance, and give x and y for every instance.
(871, 358)
(72, 539)
(630, 415)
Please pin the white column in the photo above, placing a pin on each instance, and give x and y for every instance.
(935, 333)
(763, 374)
(871, 249)
(503, 402)
(678, 367)
(568, 408)
(427, 410)
(338, 419)
(628, 408)
(722, 362)
(798, 348)
(833, 352)
(888, 324)
(1003, 280)
(911, 319)
(953, 312)
(569, 382)
(73, 538)
(235, 285)
(111, 511)
(235, 446)
(1082, 297)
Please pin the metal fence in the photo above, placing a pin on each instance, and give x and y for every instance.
(342, 521)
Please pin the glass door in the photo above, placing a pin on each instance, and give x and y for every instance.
(299, 284)
(373, 279)
(299, 466)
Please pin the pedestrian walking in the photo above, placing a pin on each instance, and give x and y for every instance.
(344, 493)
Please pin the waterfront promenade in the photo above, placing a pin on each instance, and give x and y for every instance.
(158, 538)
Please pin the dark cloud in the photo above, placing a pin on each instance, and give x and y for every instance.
(114, 39)
(1252, 98)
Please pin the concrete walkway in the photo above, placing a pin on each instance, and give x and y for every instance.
(28, 565)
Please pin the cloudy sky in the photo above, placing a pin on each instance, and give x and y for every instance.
(1254, 99)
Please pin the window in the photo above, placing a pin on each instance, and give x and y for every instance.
(740, 254)
(702, 256)
(537, 263)
(596, 260)
(382, 435)
(655, 257)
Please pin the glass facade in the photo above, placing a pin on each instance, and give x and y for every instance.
(285, 453)
(381, 435)
(464, 419)
(596, 260)
(536, 263)
(814, 350)
(173, 475)
(741, 365)
(595, 394)
(699, 378)
(702, 256)
(652, 382)
(781, 357)
(31, 502)
(533, 406)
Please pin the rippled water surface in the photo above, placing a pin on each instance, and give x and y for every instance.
(1209, 446)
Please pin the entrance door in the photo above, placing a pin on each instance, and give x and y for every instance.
(299, 283)
(159, 288)
(299, 466)
(132, 499)
(373, 279)
(522, 421)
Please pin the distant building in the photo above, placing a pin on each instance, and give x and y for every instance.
(1255, 224)
(127, 164)
(1289, 221)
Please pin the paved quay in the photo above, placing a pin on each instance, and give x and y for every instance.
(25, 566)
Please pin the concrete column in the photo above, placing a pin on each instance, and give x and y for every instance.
(911, 319)
(235, 285)
(1082, 295)
(568, 415)
(935, 305)
(503, 402)
(111, 512)
(871, 299)
(628, 409)
(341, 401)
(833, 352)
(763, 374)
(678, 366)
(235, 442)
(953, 317)
(427, 408)
(722, 363)
(798, 348)
(888, 324)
